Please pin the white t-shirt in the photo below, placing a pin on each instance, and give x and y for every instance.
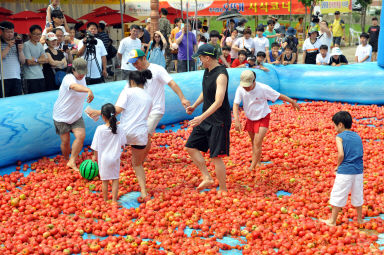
(126, 45)
(137, 105)
(321, 60)
(93, 70)
(309, 47)
(155, 87)
(68, 107)
(363, 51)
(260, 44)
(255, 102)
(248, 43)
(233, 53)
(61, 27)
(325, 40)
(108, 147)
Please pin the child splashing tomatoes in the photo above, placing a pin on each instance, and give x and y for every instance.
(106, 145)
(349, 175)
(255, 96)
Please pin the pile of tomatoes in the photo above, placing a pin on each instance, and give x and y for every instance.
(49, 211)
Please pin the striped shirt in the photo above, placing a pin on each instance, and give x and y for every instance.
(11, 64)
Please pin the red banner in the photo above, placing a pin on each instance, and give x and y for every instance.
(250, 7)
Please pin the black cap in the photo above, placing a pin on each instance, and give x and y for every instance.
(205, 49)
(337, 13)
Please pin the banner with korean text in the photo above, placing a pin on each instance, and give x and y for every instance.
(245, 7)
(330, 6)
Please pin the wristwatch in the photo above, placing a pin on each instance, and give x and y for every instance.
(36, 60)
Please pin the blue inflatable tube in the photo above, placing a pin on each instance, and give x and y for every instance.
(27, 130)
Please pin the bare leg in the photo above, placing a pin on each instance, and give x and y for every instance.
(332, 221)
(374, 56)
(175, 62)
(359, 211)
(115, 189)
(137, 164)
(199, 161)
(220, 174)
(148, 147)
(104, 188)
(76, 147)
(65, 145)
(252, 137)
(257, 146)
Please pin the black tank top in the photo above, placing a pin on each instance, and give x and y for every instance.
(286, 59)
(222, 116)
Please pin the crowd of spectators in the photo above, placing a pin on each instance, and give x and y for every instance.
(40, 62)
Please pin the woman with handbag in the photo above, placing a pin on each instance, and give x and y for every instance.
(55, 70)
(156, 49)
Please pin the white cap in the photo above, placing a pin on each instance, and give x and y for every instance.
(148, 20)
(336, 51)
(51, 36)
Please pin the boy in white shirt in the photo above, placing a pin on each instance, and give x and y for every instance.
(255, 97)
(323, 57)
(364, 50)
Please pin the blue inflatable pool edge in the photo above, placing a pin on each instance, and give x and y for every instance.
(27, 131)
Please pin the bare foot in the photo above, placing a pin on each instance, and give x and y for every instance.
(252, 166)
(72, 165)
(144, 194)
(205, 184)
(361, 223)
(328, 222)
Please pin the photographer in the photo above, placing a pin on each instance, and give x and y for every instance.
(63, 45)
(12, 56)
(35, 57)
(93, 51)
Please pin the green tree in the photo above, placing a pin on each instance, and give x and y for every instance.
(364, 6)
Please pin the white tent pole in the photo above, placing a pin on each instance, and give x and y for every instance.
(187, 24)
(122, 19)
(2, 74)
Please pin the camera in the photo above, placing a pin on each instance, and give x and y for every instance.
(65, 47)
(90, 39)
(316, 17)
(18, 39)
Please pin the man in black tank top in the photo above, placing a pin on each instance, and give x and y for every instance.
(211, 128)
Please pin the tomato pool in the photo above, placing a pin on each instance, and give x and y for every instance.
(46, 208)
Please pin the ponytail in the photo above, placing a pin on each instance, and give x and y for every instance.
(109, 111)
(140, 77)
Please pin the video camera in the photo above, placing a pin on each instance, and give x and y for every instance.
(90, 39)
(316, 17)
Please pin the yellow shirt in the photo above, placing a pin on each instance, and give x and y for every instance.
(299, 28)
(337, 28)
(173, 34)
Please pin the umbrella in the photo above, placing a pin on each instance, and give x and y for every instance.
(234, 13)
(67, 18)
(110, 19)
(25, 15)
(24, 20)
(99, 11)
(5, 11)
(22, 26)
(102, 9)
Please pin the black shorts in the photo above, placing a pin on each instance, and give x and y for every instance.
(139, 147)
(214, 138)
(374, 46)
(336, 40)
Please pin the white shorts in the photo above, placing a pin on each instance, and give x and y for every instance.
(137, 139)
(345, 183)
(153, 121)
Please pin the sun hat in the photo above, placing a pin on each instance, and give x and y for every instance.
(247, 78)
(134, 55)
(80, 66)
(290, 31)
(206, 50)
(51, 36)
(336, 51)
(314, 29)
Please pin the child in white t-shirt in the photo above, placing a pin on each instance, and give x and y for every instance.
(323, 57)
(135, 105)
(55, 5)
(106, 145)
(255, 97)
(364, 50)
